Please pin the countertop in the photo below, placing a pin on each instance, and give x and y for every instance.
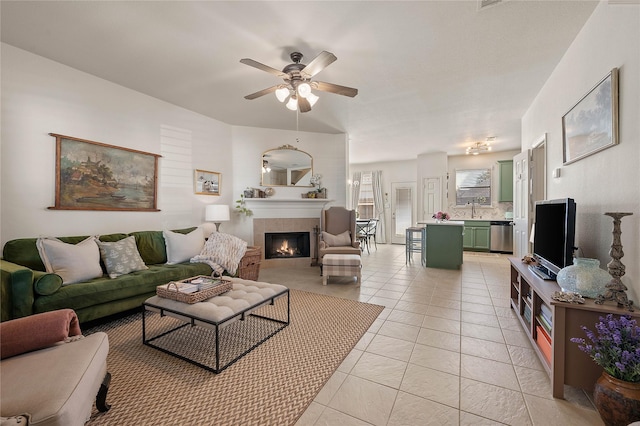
(446, 222)
(488, 220)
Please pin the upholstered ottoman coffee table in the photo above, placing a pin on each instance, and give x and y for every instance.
(215, 333)
(342, 265)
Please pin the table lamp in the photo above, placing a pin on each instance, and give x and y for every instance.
(217, 213)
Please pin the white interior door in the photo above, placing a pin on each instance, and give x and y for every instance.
(402, 210)
(431, 197)
(521, 204)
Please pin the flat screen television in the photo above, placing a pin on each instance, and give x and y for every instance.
(554, 236)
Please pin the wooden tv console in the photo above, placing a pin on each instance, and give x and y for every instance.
(561, 358)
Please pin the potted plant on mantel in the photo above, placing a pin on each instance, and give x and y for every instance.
(615, 346)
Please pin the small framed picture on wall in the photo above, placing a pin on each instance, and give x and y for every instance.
(206, 183)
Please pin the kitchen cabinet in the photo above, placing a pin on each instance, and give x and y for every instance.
(477, 235)
(505, 177)
(444, 245)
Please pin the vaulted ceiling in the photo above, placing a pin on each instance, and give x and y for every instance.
(432, 75)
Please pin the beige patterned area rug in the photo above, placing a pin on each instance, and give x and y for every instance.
(272, 385)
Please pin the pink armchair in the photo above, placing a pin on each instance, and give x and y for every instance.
(50, 374)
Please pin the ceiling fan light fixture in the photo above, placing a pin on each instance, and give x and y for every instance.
(312, 99)
(304, 89)
(293, 103)
(282, 94)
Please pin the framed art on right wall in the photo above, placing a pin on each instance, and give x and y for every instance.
(591, 125)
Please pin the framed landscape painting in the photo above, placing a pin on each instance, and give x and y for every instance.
(206, 183)
(96, 176)
(592, 124)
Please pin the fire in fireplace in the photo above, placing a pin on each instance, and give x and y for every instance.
(286, 245)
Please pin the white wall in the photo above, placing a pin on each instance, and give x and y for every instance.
(608, 180)
(329, 160)
(40, 96)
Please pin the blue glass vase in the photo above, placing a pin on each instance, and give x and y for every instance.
(584, 277)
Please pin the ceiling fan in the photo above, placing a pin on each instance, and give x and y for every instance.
(297, 84)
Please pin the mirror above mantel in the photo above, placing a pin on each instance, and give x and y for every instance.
(286, 166)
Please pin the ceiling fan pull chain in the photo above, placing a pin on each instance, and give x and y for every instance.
(297, 128)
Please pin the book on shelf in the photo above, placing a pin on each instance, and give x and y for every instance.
(545, 324)
(548, 319)
(546, 310)
(527, 313)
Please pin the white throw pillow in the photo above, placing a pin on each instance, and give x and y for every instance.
(121, 257)
(339, 240)
(182, 247)
(73, 262)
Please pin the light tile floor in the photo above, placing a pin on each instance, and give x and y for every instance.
(447, 349)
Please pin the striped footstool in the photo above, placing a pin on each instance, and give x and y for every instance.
(342, 265)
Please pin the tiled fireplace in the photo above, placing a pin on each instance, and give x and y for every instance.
(282, 241)
(286, 245)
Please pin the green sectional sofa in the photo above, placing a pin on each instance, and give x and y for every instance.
(27, 289)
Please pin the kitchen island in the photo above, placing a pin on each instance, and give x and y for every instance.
(443, 248)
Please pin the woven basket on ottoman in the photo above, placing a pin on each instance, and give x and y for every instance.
(343, 265)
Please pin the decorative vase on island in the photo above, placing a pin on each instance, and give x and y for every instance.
(583, 277)
(617, 401)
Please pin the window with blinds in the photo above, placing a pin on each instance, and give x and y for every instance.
(473, 186)
(365, 202)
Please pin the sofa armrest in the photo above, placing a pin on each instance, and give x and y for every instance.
(16, 291)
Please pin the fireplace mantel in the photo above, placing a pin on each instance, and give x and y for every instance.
(286, 207)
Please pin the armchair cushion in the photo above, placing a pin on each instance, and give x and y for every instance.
(37, 332)
(343, 239)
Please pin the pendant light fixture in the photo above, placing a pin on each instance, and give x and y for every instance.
(480, 147)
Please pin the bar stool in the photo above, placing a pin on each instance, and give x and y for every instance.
(416, 239)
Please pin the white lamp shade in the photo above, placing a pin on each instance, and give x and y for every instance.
(312, 99)
(304, 89)
(282, 94)
(217, 213)
(292, 104)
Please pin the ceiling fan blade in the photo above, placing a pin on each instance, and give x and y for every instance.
(335, 88)
(318, 64)
(303, 104)
(262, 92)
(263, 67)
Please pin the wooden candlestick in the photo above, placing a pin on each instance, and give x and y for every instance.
(616, 290)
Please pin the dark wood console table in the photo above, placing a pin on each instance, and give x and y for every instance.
(563, 361)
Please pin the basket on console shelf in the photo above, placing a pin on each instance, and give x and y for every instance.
(249, 266)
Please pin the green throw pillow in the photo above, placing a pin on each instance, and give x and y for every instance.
(121, 257)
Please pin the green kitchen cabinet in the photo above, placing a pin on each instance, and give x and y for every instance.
(477, 235)
(505, 173)
(444, 245)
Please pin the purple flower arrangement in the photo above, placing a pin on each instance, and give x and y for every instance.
(441, 216)
(615, 346)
